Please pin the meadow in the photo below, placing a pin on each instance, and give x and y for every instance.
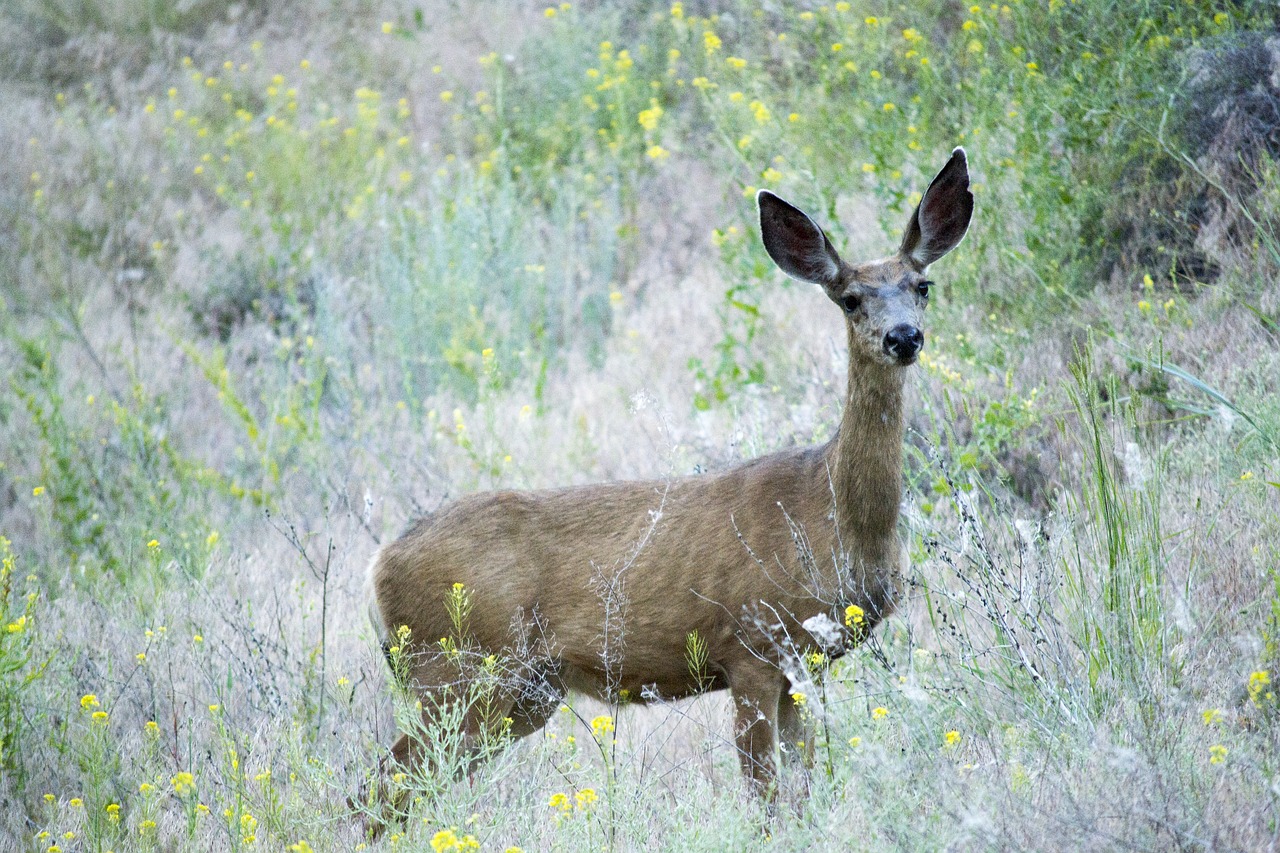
(276, 279)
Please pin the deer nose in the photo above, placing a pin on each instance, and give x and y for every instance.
(903, 342)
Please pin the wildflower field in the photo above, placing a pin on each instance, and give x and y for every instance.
(277, 278)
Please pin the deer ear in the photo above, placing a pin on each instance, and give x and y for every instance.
(940, 219)
(796, 244)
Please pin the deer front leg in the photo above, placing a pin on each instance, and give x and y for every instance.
(756, 690)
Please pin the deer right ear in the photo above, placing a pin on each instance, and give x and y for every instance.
(796, 244)
(942, 217)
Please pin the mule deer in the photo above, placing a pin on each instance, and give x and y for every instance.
(764, 560)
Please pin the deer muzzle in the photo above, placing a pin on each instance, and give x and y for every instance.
(903, 342)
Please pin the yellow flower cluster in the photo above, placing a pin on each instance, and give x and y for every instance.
(583, 800)
(1260, 687)
(448, 841)
(648, 119)
(183, 783)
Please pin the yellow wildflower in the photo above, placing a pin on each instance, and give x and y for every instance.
(182, 783)
(648, 119)
(1258, 683)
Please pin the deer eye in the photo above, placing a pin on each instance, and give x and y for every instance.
(923, 289)
(850, 302)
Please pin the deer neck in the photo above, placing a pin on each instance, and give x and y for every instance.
(865, 457)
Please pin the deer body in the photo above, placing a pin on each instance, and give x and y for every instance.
(597, 588)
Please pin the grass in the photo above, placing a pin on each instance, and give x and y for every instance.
(267, 297)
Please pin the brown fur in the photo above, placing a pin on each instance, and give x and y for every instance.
(597, 588)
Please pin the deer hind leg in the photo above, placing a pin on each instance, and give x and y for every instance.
(796, 733)
(462, 711)
(757, 688)
(539, 691)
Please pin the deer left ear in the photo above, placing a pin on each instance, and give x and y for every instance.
(942, 217)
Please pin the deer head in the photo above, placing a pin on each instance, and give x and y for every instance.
(883, 300)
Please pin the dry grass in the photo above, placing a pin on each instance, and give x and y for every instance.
(267, 490)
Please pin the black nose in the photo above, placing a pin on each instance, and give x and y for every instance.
(903, 342)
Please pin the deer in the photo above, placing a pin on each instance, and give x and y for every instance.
(781, 555)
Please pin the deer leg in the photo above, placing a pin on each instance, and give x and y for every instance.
(795, 740)
(417, 755)
(540, 692)
(433, 748)
(756, 690)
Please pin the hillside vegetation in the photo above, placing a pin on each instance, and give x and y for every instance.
(275, 279)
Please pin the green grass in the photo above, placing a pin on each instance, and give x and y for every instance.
(264, 298)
